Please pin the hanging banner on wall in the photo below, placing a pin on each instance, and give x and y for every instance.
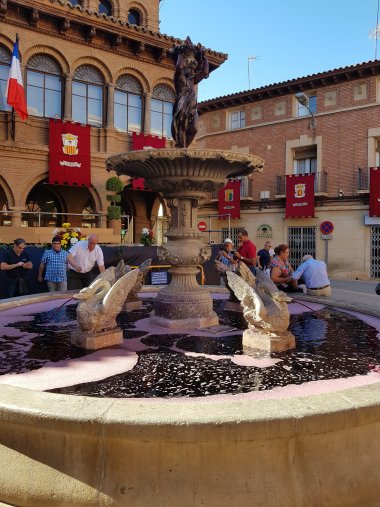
(299, 196)
(229, 200)
(69, 153)
(142, 141)
(374, 192)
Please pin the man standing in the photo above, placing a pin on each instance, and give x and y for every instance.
(16, 263)
(55, 261)
(82, 257)
(264, 256)
(314, 274)
(247, 251)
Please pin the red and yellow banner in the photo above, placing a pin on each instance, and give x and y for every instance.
(145, 141)
(69, 153)
(374, 192)
(299, 196)
(229, 200)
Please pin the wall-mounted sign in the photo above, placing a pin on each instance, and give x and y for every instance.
(326, 227)
(202, 226)
(264, 231)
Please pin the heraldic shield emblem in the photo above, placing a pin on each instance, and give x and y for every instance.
(299, 190)
(70, 144)
(229, 195)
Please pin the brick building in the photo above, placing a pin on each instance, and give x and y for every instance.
(97, 62)
(336, 137)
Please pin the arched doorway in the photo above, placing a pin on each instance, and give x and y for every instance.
(52, 205)
(4, 216)
(43, 208)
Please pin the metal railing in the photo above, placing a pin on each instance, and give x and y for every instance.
(49, 219)
(244, 189)
(320, 183)
(362, 179)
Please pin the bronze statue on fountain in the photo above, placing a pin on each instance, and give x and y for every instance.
(185, 177)
(191, 67)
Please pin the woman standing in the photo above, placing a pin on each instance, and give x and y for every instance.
(281, 270)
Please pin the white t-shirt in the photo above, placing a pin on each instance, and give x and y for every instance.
(84, 258)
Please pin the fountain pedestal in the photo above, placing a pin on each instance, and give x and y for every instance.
(185, 177)
(95, 341)
(267, 342)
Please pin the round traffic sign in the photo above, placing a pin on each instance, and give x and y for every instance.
(326, 227)
(202, 226)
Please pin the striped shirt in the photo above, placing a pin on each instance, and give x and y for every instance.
(56, 265)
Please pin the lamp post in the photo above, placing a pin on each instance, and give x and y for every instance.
(303, 99)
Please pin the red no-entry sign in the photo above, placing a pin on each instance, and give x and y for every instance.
(202, 226)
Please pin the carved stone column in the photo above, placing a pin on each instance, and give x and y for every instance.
(67, 114)
(147, 106)
(110, 105)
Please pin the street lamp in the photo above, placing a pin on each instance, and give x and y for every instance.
(303, 99)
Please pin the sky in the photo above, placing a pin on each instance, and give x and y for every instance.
(273, 41)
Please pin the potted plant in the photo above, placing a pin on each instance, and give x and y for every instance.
(114, 185)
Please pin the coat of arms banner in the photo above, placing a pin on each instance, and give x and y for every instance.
(299, 196)
(69, 153)
(374, 192)
(229, 200)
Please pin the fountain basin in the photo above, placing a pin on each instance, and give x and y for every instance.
(300, 450)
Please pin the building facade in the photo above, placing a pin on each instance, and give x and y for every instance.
(103, 63)
(334, 134)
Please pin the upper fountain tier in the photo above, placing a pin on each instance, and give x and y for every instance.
(184, 169)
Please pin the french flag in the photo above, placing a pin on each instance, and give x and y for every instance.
(15, 92)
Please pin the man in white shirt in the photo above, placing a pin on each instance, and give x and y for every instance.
(82, 257)
(314, 274)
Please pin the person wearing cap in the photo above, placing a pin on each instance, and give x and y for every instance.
(17, 264)
(226, 255)
(55, 262)
(314, 274)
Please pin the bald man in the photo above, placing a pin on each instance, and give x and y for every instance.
(82, 258)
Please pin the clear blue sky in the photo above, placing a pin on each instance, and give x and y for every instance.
(290, 38)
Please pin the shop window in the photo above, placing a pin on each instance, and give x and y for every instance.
(162, 111)
(5, 65)
(128, 104)
(87, 99)
(44, 87)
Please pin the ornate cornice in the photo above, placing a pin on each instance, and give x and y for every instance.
(140, 39)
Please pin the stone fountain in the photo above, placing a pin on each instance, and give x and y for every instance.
(185, 177)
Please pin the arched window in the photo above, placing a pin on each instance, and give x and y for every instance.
(88, 96)
(162, 111)
(105, 7)
(44, 87)
(127, 104)
(134, 17)
(5, 65)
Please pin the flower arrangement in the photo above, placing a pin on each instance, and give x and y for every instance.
(69, 235)
(147, 237)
